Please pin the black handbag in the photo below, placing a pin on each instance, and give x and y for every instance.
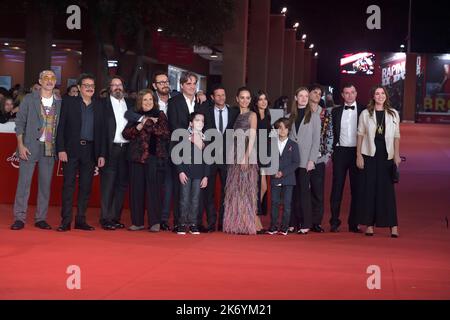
(395, 174)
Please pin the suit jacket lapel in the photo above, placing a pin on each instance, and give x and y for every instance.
(338, 121)
(37, 107)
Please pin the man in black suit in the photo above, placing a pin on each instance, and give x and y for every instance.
(78, 143)
(114, 175)
(345, 123)
(218, 117)
(178, 110)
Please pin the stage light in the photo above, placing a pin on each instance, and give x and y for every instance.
(284, 10)
(296, 25)
(6, 44)
(159, 30)
(214, 55)
(304, 36)
(311, 45)
(402, 46)
(316, 54)
(53, 45)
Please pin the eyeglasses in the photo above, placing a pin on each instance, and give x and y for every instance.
(88, 86)
(49, 78)
(163, 82)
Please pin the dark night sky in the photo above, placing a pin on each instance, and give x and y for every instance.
(337, 27)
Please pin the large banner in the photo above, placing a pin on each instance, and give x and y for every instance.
(433, 88)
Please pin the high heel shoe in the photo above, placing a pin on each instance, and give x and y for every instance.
(303, 231)
(369, 232)
(394, 235)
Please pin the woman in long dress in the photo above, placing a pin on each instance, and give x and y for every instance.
(241, 189)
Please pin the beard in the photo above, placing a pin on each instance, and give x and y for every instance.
(118, 94)
(165, 91)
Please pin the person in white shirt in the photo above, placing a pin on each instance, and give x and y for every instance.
(378, 155)
(114, 175)
(345, 124)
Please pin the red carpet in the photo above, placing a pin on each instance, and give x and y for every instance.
(140, 265)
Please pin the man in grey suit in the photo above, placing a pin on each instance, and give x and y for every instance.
(36, 125)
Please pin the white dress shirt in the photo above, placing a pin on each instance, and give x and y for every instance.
(162, 105)
(349, 127)
(190, 104)
(119, 108)
(281, 145)
(224, 117)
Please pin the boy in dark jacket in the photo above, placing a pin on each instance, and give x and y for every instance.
(193, 177)
(283, 182)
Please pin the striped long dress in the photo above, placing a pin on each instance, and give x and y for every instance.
(241, 191)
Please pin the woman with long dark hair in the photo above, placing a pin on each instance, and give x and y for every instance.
(260, 107)
(377, 155)
(242, 179)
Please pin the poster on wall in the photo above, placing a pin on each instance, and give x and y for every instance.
(393, 72)
(5, 82)
(57, 71)
(433, 88)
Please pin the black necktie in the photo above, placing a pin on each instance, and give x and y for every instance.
(349, 107)
(220, 121)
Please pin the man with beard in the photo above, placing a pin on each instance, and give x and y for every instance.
(114, 175)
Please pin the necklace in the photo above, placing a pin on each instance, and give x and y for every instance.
(380, 127)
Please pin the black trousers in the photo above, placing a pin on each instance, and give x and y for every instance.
(302, 200)
(317, 180)
(175, 194)
(344, 160)
(84, 166)
(208, 199)
(145, 185)
(113, 184)
(307, 198)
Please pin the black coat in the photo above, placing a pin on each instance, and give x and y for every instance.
(69, 127)
(110, 125)
(336, 115)
(210, 123)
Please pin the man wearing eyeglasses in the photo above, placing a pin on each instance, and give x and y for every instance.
(78, 144)
(36, 124)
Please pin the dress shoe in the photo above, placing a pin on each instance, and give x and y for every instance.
(136, 228)
(211, 229)
(354, 229)
(155, 228)
(42, 225)
(262, 231)
(17, 225)
(108, 227)
(164, 226)
(334, 229)
(84, 226)
(118, 224)
(317, 228)
(303, 231)
(63, 227)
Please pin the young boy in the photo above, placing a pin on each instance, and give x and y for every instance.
(193, 177)
(283, 182)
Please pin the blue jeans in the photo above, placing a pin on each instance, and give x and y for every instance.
(281, 194)
(189, 202)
